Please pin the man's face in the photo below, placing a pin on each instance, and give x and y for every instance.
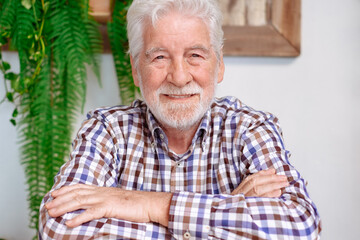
(178, 70)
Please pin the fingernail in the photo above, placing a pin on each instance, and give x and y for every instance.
(68, 223)
(52, 212)
(283, 177)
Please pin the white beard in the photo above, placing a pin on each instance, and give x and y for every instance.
(175, 115)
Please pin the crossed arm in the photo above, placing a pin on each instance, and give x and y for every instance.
(141, 206)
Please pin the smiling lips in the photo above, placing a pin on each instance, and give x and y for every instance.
(182, 96)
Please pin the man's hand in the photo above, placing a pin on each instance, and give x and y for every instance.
(262, 184)
(108, 202)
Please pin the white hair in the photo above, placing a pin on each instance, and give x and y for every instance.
(142, 11)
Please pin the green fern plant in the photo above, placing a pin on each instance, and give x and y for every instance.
(55, 41)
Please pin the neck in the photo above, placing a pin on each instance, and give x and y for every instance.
(180, 140)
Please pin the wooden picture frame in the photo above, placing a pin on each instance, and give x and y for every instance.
(280, 36)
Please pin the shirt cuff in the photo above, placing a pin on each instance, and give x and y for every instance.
(189, 215)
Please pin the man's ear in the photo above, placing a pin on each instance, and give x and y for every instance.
(134, 72)
(221, 68)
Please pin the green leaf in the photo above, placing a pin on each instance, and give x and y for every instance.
(10, 76)
(15, 113)
(26, 4)
(17, 84)
(10, 96)
(6, 66)
(13, 121)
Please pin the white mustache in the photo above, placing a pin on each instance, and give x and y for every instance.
(190, 89)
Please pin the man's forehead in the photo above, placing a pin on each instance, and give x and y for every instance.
(173, 22)
(176, 33)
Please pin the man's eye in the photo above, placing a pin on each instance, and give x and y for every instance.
(159, 57)
(195, 55)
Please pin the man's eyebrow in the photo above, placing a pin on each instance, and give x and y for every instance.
(153, 50)
(201, 48)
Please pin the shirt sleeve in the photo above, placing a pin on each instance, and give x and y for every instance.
(223, 216)
(92, 162)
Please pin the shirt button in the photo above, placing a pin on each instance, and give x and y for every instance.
(187, 235)
(162, 136)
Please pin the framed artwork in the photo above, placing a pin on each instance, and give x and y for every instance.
(262, 27)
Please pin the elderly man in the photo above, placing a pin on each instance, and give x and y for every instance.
(180, 164)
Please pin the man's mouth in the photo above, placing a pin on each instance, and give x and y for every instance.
(179, 96)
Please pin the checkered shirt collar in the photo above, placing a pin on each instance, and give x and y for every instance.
(202, 132)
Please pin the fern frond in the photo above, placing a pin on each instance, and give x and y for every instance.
(7, 19)
(95, 43)
(119, 46)
(94, 39)
(69, 44)
(23, 39)
(35, 133)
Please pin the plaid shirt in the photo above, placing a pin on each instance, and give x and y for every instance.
(125, 147)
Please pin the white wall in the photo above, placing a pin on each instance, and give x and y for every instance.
(316, 96)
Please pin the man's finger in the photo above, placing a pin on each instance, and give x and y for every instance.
(240, 188)
(274, 194)
(67, 196)
(265, 172)
(66, 207)
(70, 188)
(71, 201)
(259, 180)
(263, 190)
(86, 216)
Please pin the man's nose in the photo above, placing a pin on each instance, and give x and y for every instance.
(179, 74)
